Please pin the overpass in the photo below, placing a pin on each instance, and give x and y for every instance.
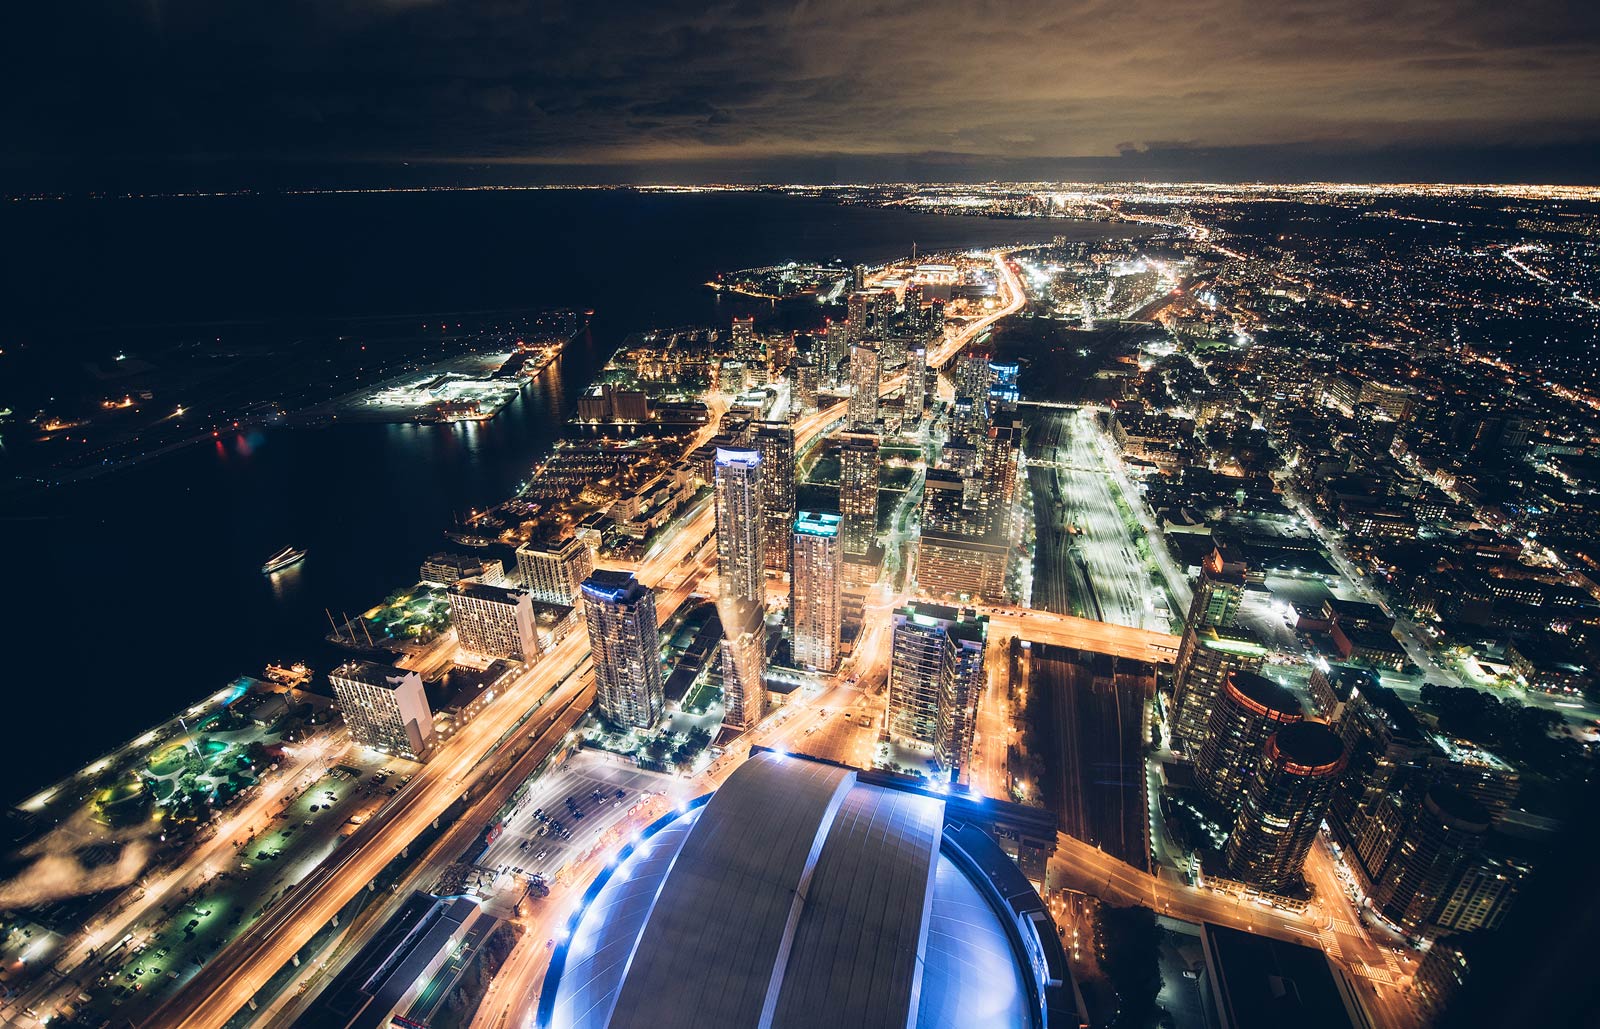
(1082, 634)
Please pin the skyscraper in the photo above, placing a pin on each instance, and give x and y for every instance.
(998, 490)
(858, 494)
(741, 525)
(972, 379)
(625, 645)
(835, 348)
(743, 337)
(866, 374)
(1249, 709)
(554, 572)
(858, 314)
(775, 442)
(858, 277)
(1218, 593)
(744, 663)
(814, 591)
(741, 532)
(1283, 805)
(1206, 656)
(1445, 834)
(935, 675)
(807, 380)
(916, 384)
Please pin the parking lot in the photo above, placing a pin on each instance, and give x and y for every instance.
(602, 791)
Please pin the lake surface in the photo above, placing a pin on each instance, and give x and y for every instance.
(136, 592)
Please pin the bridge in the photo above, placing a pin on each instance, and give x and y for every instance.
(1082, 634)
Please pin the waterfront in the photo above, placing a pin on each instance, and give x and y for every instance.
(142, 590)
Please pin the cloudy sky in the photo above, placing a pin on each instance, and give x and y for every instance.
(608, 90)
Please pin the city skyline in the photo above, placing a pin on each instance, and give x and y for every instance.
(1198, 578)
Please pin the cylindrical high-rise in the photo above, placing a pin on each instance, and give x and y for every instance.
(1248, 709)
(1445, 833)
(1284, 804)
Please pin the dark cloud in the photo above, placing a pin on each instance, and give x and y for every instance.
(670, 84)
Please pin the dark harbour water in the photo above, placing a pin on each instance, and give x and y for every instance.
(135, 593)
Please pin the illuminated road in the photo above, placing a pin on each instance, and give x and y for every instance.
(1081, 634)
(1078, 866)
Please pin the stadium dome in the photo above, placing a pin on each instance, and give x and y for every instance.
(800, 895)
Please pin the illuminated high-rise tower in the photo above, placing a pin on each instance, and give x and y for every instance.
(814, 591)
(741, 525)
(741, 532)
(935, 676)
(858, 494)
(1283, 804)
(1248, 709)
(866, 375)
(775, 442)
(916, 384)
(625, 644)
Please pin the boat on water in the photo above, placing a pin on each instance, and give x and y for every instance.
(283, 559)
(467, 539)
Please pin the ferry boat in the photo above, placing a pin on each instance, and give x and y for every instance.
(283, 559)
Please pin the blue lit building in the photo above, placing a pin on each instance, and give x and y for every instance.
(804, 894)
(1003, 384)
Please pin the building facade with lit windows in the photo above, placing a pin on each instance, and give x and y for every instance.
(1248, 709)
(741, 524)
(866, 375)
(626, 647)
(1446, 832)
(916, 400)
(553, 573)
(384, 707)
(775, 442)
(858, 494)
(1207, 655)
(494, 621)
(1283, 806)
(935, 676)
(815, 609)
(741, 549)
(962, 567)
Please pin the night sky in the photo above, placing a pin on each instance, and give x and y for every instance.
(1463, 90)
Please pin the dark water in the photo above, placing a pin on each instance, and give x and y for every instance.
(139, 591)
